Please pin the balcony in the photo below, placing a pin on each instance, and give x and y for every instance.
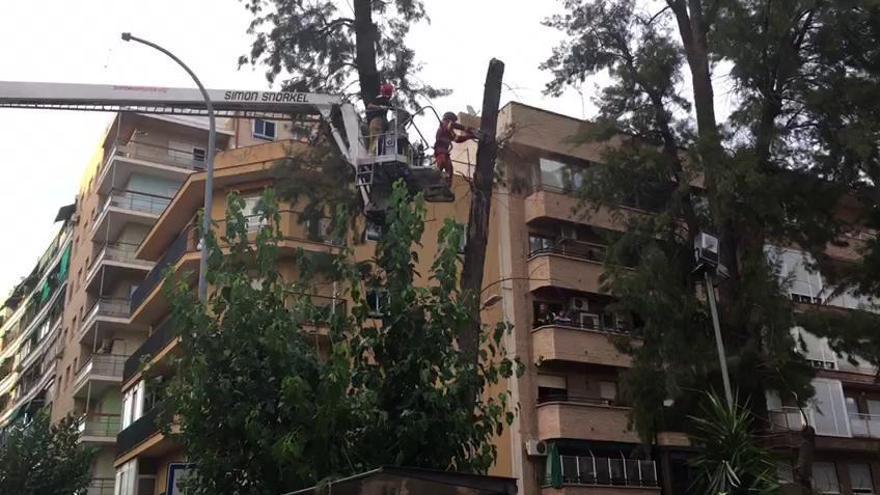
(576, 342)
(155, 344)
(100, 372)
(115, 261)
(590, 475)
(556, 205)
(139, 432)
(96, 428)
(865, 425)
(185, 243)
(584, 418)
(296, 232)
(100, 486)
(569, 265)
(161, 161)
(123, 207)
(106, 316)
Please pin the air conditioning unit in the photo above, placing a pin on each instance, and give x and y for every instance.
(536, 448)
(579, 304)
(74, 218)
(706, 249)
(590, 321)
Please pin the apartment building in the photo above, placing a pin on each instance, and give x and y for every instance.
(141, 163)
(147, 461)
(544, 273)
(30, 322)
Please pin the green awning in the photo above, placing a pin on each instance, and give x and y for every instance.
(554, 466)
(64, 265)
(45, 292)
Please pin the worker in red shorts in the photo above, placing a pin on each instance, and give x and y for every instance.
(446, 135)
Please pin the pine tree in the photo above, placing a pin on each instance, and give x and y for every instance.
(797, 139)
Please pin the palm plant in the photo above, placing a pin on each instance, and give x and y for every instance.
(730, 461)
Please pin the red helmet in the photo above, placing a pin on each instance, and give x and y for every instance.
(386, 90)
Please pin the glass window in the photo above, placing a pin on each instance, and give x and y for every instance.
(264, 129)
(825, 478)
(552, 388)
(539, 243)
(126, 478)
(829, 408)
(377, 300)
(552, 174)
(374, 231)
(860, 478)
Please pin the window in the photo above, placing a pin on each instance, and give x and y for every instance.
(251, 214)
(377, 301)
(608, 391)
(828, 408)
(133, 404)
(199, 154)
(825, 478)
(263, 129)
(126, 478)
(552, 388)
(561, 176)
(539, 244)
(860, 478)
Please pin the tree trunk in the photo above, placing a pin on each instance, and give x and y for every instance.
(480, 207)
(803, 471)
(366, 37)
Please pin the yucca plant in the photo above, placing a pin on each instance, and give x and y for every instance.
(730, 461)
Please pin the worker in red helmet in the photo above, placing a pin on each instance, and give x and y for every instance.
(446, 135)
(377, 117)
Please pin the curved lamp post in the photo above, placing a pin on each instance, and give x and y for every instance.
(209, 166)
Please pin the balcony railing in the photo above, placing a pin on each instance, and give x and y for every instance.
(607, 471)
(865, 425)
(105, 365)
(576, 399)
(110, 307)
(137, 201)
(100, 486)
(118, 251)
(161, 336)
(137, 432)
(99, 425)
(176, 157)
(185, 241)
(572, 248)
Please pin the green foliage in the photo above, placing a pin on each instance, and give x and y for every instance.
(730, 461)
(797, 139)
(263, 409)
(40, 458)
(314, 45)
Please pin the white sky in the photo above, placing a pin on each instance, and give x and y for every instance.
(43, 153)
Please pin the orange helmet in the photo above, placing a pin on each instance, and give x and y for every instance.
(386, 90)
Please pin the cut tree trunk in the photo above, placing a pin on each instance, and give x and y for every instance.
(480, 208)
(366, 37)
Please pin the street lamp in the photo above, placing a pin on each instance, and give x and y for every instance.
(209, 166)
(706, 250)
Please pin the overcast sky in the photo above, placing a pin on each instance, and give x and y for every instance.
(43, 153)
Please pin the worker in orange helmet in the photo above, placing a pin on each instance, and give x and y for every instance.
(377, 117)
(446, 135)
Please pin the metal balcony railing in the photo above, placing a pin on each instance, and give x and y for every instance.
(110, 307)
(99, 425)
(575, 249)
(105, 365)
(100, 486)
(118, 251)
(607, 471)
(192, 158)
(865, 425)
(184, 242)
(161, 336)
(137, 201)
(576, 399)
(137, 432)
